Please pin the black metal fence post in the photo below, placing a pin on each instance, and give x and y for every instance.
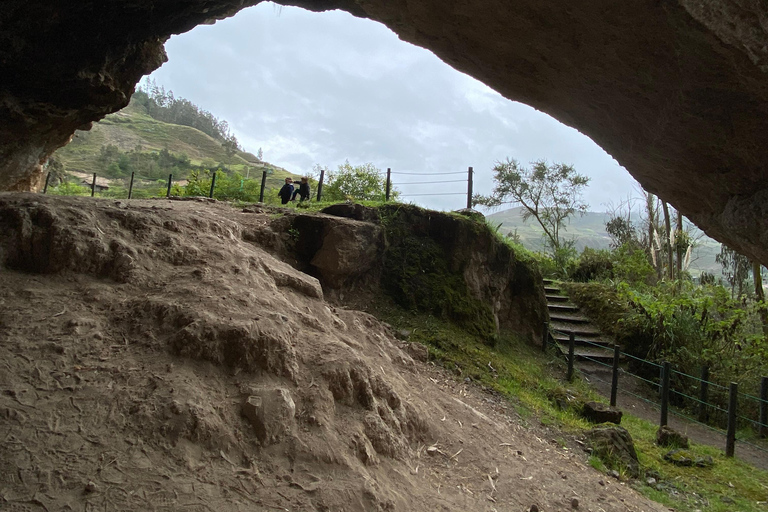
(615, 377)
(730, 436)
(170, 181)
(263, 184)
(665, 393)
(469, 188)
(763, 427)
(213, 184)
(389, 183)
(130, 186)
(93, 185)
(320, 185)
(545, 337)
(703, 394)
(571, 349)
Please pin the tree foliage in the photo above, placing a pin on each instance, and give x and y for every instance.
(361, 182)
(736, 269)
(548, 193)
(164, 106)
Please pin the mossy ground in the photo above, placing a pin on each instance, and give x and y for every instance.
(528, 378)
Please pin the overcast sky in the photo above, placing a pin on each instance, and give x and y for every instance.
(321, 88)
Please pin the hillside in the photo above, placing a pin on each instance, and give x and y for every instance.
(589, 231)
(133, 130)
(170, 355)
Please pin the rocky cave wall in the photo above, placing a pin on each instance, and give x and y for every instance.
(676, 91)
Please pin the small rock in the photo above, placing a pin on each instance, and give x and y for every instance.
(704, 462)
(667, 436)
(679, 457)
(613, 474)
(91, 487)
(651, 482)
(417, 351)
(403, 334)
(728, 500)
(432, 450)
(271, 411)
(467, 380)
(601, 413)
(601, 482)
(534, 508)
(574, 503)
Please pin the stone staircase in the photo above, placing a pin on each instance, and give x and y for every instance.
(564, 317)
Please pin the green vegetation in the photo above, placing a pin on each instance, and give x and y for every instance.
(360, 182)
(419, 276)
(550, 194)
(533, 383)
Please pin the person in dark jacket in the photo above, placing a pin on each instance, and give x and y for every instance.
(303, 191)
(287, 191)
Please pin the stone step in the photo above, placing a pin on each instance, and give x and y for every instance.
(580, 330)
(562, 337)
(547, 281)
(580, 352)
(556, 298)
(552, 290)
(568, 318)
(562, 308)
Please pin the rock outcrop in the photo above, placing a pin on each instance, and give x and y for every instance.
(676, 91)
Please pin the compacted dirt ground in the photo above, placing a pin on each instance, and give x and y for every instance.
(157, 355)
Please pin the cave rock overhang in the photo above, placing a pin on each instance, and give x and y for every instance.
(676, 91)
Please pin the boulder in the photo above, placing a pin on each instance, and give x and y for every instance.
(597, 412)
(271, 411)
(614, 446)
(352, 211)
(667, 436)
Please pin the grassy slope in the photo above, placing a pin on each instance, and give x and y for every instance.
(132, 127)
(589, 231)
(528, 378)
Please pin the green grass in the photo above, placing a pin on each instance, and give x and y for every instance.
(525, 376)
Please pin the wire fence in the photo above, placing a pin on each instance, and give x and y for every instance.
(418, 192)
(742, 410)
(142, 187)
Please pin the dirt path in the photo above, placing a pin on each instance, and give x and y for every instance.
(600, 378)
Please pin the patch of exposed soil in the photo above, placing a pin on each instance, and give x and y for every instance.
(152, 359)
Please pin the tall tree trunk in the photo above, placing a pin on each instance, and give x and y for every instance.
(760, 295)
(679, 247)
(668, 229)
(654, 255)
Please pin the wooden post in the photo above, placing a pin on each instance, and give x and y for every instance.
(665, 394)
(545, 337)
(47, 179)
(730, 436)
(763, 427)
(130, 186)
(389, 183)
(213, 184)
(93, 185)
(703, 394)
(263, 184)
(615, 379)
(320, 185)
(571, 349)
(170, 181)
(469, 188)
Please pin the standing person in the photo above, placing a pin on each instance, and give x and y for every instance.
(287, 191)
(302, 191)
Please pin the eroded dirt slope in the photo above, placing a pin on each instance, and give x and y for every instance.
(151, 359)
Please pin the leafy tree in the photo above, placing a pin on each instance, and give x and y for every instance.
(549, 193)
(736, 268)
(362, 182)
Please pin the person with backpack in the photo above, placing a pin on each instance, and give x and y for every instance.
(286, 192)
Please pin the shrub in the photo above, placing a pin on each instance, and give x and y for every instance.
(592, 265)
